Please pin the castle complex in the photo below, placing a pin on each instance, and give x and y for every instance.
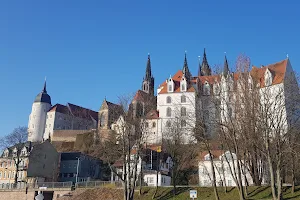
(182, 98)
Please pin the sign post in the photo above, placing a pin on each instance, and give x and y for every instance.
(193, 194)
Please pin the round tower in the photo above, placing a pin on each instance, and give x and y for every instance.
(37, 117)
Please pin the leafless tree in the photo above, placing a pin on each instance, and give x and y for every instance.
(15, 141)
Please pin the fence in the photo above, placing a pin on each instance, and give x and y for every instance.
(95, 184)
(44, 185)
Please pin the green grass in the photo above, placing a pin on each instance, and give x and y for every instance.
(254, 193)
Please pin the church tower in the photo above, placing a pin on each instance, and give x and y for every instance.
(204, 68)
(37, 117)
(148, 81)
(185, 70)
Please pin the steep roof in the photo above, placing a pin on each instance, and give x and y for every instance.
(43, 96)
(277, 69)
(176, 78)
(141, 96)
(77, 111)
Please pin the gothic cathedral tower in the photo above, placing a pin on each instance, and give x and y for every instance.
(148, 81)
(37, 117)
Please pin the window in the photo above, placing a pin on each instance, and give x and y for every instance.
(4, 176)
(146, 124)
(153, 125)
(183, 99)
(9, 175)
(183, 87)
(183, 123)
(150, 180)
(32, 125)
(170, 88)
(169, 100)
(168, 124)
(0, 174)
(206, 89)
(183, 111)
(102, 120)
(169, 112)
(229, 183)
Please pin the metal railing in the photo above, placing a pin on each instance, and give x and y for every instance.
(96, 184)
(36, 186)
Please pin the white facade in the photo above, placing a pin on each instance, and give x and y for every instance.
(163, 180)
(37, 121)
(225, 171)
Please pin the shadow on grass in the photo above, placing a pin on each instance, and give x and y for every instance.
(170, 193)
(257, 191)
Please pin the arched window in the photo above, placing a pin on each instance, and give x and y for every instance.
(102, 120)
(169, 112)
(169, 100)
(183, 99)
(206, 89)
(183, 111)
(168, 124)
(183, 123)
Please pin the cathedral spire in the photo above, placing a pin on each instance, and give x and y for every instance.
(148, 81)
(205, 69)
(226, 67)
(185, 69)
(148, 74)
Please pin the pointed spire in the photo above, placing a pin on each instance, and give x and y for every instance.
(205, 69)
(148, 74)
(226, 67)
(45, 87)
(185, 69)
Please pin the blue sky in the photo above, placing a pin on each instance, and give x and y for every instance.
(92, 49)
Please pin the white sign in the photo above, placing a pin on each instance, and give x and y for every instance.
(42, 188)
(193, 194)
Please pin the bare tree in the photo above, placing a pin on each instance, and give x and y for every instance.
(14, 143)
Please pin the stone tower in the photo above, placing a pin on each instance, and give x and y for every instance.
(37, 117)
(148, 81)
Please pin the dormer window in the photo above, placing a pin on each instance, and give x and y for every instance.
(268, 78)
(183, 88)
(206, 88)
(170, 85)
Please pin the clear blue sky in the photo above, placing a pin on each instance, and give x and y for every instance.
(92, 49)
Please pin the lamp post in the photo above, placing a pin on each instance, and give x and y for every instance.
(78, 158)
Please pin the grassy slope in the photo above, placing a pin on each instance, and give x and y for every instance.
(255, 193)
(207, 193)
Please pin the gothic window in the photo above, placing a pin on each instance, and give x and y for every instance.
(102, 120)
(169, 112)
(183, 99)
(169, 100)
(183, 111)
(183, 123)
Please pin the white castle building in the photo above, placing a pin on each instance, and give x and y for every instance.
(184, 99)
(45, 118)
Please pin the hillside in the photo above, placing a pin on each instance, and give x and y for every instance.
(255, 193)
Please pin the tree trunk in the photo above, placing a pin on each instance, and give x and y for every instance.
(273, 186)
(213, 176)
(293, 176)
(279, 183)
(157, 168)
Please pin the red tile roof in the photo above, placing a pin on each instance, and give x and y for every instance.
(176, 78)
